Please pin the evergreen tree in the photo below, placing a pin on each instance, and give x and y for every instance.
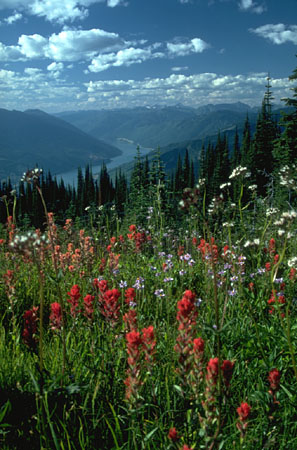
(263, 144)
(285, 149)
(246, 146)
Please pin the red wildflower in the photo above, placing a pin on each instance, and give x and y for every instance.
(271, 246)
(173, 434)
(227, 371)
(243, 411)
(292, 274)
(110, 305)
(73, 300)
(198, 345)
(267, 267)
(212, 370)
(133, 380)
(103, 286)
(149, 343)
(30, 328)
(113, 240)
(89, 306)
(185, 447)
(55, 316)
(130, 295)
(130, 318)
(132, 228)
(274, 379)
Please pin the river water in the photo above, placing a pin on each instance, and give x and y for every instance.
(128, 149)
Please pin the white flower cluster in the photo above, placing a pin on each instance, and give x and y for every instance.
(271, 211)
(240, 171)
(288, 177)
(286, 217)
(292, 262)
(253, 243)
(200, 183)
(27, 242)
(31, 175)
(225, 185)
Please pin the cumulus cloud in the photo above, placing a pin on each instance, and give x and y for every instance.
(252, 6)
(192, 90)
(68, 45)
(278, 33)
(59, 11)
(101, 49)
(124, 57)
(195, 45)
(37, 88)
(13, 18)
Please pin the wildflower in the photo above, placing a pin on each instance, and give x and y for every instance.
(149, 343)
(74, 295)
(198, 345)
(30, 328)
(243, 412)
(133, 380)
(139, 283)
(227, 371)
(123, 284)
(89, 306)
(274, 379)
(55, 316)
(173, 434)
(32, 175)
(110, 307)
(159, 293)
(130, 295)
(212, 370)
(130, 319)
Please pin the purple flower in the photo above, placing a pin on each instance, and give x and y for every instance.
(160, 293)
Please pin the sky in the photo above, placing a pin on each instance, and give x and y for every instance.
(61, 55)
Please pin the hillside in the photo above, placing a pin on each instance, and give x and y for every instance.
(160, 126)
(34, 137)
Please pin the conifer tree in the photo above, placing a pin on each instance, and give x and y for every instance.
(285, 149)
(261, 164)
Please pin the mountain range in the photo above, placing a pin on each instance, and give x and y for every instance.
(67, 140)
(34, 137)
(160, 126)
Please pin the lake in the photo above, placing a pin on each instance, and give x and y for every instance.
(129, 152)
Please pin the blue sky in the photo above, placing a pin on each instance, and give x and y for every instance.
(59, 55)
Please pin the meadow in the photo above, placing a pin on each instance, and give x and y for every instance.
(155, 335)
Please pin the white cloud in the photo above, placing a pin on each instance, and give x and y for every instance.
(252, 6)
(113, 3)
(82, 44)
(45, 90)
(124, 57)
(13, 18)
(278, 33)
(55, 66)
(10, 53)
(192, 90)
(196, 45)
(179, 69)
(32, 46)
(59, 11)
(68, 45)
